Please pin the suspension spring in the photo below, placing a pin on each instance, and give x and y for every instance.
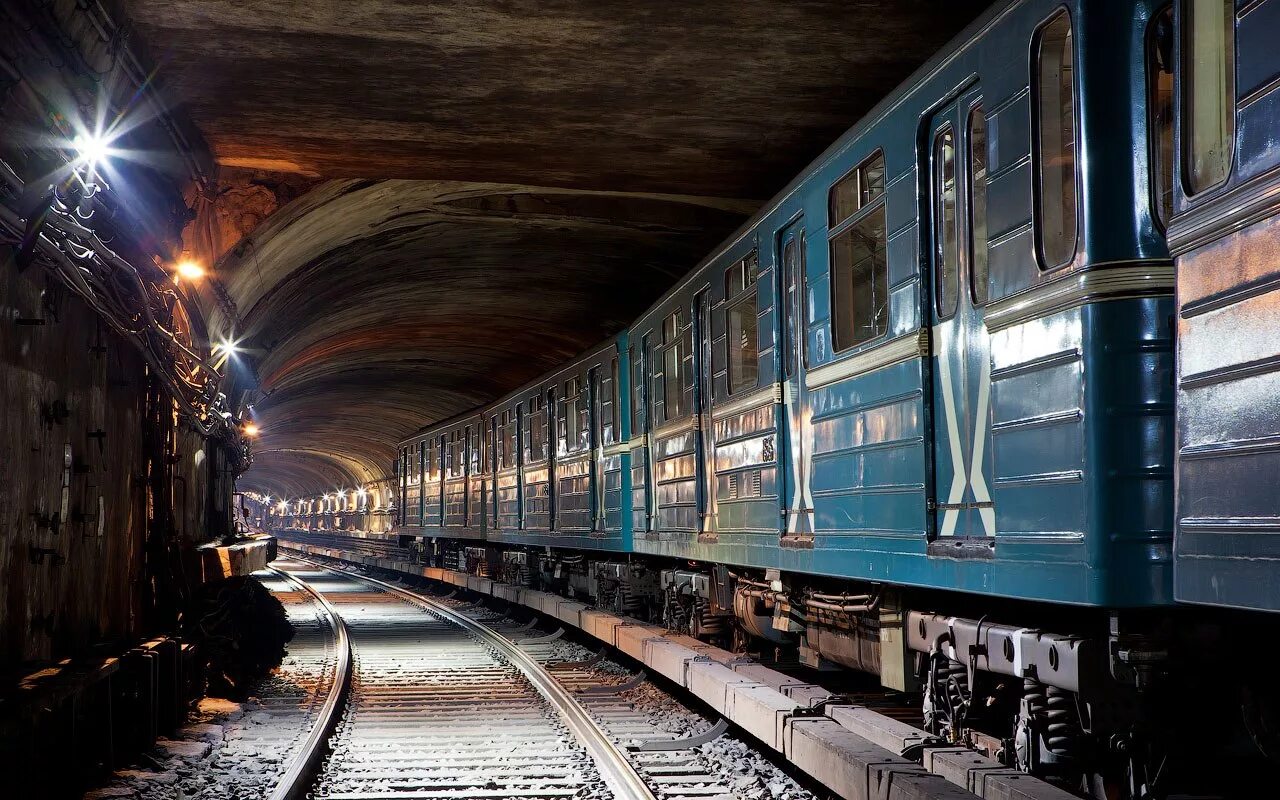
(1056, 708)
(607, 593)
(677, 617)
(709, 624)
(629, 602)
(949, 687)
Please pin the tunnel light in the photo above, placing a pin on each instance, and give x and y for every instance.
(92, 148)
(361, 492)
(251, 430)
(227, 347)
(188, 270)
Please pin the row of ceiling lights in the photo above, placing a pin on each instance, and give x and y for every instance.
(338, 494)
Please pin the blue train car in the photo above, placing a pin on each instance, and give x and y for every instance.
(560, 465)
(441, 480)
(917, 416)
(545, 466)
(1225, 236)
(941, 356)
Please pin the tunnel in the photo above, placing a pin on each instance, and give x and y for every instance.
(797, 342)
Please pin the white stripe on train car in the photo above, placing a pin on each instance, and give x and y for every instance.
(955, 495)
(977, 478)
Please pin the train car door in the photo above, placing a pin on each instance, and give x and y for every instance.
(955, 176)
(701, 411)
(793, 463)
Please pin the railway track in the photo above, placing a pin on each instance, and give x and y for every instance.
(325, 697)
(672, 765)
(444, 706)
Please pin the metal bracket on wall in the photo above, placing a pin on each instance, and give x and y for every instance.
(50, 522)
(38, 554)
(54, 412)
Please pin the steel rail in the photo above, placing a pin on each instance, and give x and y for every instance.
(612, 763)
(296, 782)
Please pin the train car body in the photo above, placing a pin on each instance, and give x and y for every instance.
(941, 357)
(441, 479)
(1225, 236)
(545, 466)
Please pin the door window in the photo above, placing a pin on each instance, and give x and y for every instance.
(1056, 142)
(789, 291)
(946, 255)
(1209, 45)
(675, 372)
(978, 272)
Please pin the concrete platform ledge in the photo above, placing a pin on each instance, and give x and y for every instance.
(221, 561)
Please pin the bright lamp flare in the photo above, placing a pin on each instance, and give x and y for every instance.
(250, 429)
(91, 148)
(189, 270)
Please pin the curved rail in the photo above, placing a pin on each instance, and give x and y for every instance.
(297, 778)
(614, 766)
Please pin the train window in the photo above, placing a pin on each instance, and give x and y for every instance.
(790, 254)
(672, 386)
(615, 401)
(742, 344)
(460, 454)
(794, 308)
(743, 348)
(856, 190)
(1056, 142)
(946, 239)
(582, 409)
(535, 431)
(1209, 45)
(572, 427)
(672, 325)
(978, 204)
(859, 281)
(1160, 103)
(674, 374)
(639, 380)
(508, 439)
(741, 275)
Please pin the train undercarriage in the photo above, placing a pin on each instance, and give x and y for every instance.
(1084, 698)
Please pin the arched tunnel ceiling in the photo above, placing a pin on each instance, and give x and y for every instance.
(370, 308)
(492, 186)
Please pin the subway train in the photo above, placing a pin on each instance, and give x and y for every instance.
(985, 402)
